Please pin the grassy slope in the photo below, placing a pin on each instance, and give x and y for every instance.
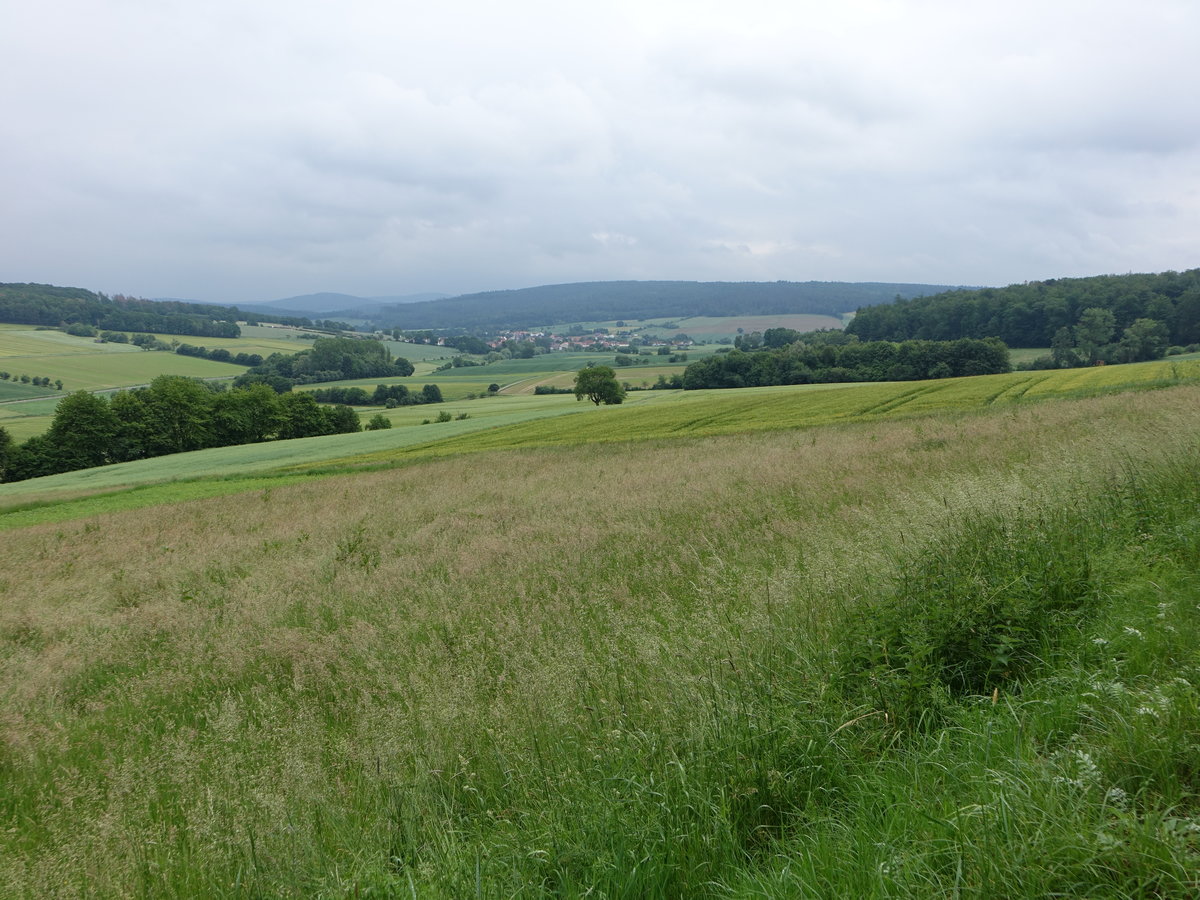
(527, 421)
(83, 364)
(563, 667)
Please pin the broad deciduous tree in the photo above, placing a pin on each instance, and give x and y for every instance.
(598, 384)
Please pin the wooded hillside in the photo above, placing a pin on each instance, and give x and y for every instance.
(602, 301)
(1029, 315)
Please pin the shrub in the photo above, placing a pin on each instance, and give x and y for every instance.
(971, 613)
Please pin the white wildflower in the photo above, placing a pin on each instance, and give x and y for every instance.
(1117, 797)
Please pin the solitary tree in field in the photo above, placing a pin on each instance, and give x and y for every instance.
(598, 384)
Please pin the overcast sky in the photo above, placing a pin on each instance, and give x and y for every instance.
(241, 150)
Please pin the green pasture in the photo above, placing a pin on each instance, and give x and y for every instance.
(415, 353)
(453, 387)
(709, 328)
(22, 345)
(23, 420)
(636, 375)
(1019, 355)
(83, 364)
(15, 390)
(221, 463)
(254, 339)
(116, 370)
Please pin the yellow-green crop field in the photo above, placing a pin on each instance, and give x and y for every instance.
(506, 422)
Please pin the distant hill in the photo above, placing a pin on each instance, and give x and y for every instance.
(608, 300)
(329, 304)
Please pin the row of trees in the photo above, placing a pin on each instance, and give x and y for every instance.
(389, 395)
(1030, 315)
(220, 354)
(174, 414)
(35, 380)
(828, 362)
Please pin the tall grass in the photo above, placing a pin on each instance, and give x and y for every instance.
(650, 669)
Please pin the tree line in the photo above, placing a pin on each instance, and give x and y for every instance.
(1031, 314)
(36, 380)
(173, 415)
(51, 306)
(389, 395)
(846, 359)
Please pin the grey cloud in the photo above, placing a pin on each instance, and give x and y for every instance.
(230, 152)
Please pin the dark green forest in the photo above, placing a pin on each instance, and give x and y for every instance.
(601, 301)
(51, 306)
(1032, 314)
(826, 362)
(173, 415)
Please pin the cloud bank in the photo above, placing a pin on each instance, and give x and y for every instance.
(230, 151)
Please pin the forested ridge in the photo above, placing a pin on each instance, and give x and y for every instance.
(1031, 314)
(602, 301)
(52, 306)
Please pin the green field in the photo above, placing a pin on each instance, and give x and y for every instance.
(520, 376)
(921, 639)
(10, 390)
(528, 421)
(83, 364)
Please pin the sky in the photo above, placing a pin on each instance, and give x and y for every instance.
(248, 150)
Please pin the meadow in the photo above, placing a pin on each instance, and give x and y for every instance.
(82, 363)
(899, 640)
(508, 421)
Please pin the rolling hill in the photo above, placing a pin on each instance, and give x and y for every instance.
(611, 300)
